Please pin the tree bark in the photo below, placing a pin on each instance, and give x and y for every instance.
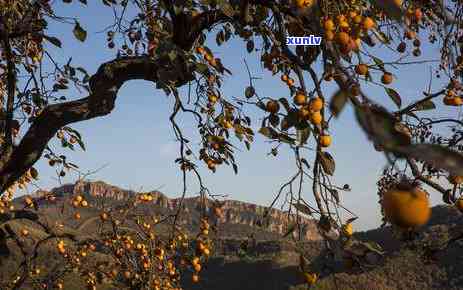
(104, 86)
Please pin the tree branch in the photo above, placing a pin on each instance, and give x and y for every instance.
(104, 85)
(415, 104)
(11, 88)
(416, 172)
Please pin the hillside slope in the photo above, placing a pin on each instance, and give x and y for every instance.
(423, 262)
(239, 218)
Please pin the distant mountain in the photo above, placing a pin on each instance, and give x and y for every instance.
(238, 219)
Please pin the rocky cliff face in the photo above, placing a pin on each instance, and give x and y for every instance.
(234, 212)
(98, 188)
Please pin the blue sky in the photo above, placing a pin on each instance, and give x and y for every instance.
(136, 142)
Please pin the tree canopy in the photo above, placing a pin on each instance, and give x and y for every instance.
(164, 43)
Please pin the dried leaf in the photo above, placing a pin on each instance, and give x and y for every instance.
(53, 40)
(338, 101)
(290, 120)
(379, 63)
(250, 46)
(303, 135)
(285, 104)
(261, 105)
(381, 36)
(335, 195)
(248, 145)
(34, 173)
(201, 67)
(447, 197)
(437, 156)
(220, 38)
(286, 139)
(268, 132)
(424, 106)
(79, 32)
(81, 144)
(394, 96)
(274, 151)
(226, 8)
(327, 162)
(380, 127)
(274, 120)
(235, 168)
(249, 92)
(390, 7)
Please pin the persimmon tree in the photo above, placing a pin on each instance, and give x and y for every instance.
(164, 43)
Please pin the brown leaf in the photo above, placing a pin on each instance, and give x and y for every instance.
(286, 138)
(390, 7)
(249, 92)
(327, 162)
(290, 120)
(380, 127)
(335, 195)
(285, 104)
(424, 106)
(338, 101)
(274, 120)
(53, 40)
(268, 132)
(394, 96)
(250, 46)
(235, 168)
(447, 197)
(437, 156)
(303, 135)
(79, 32)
